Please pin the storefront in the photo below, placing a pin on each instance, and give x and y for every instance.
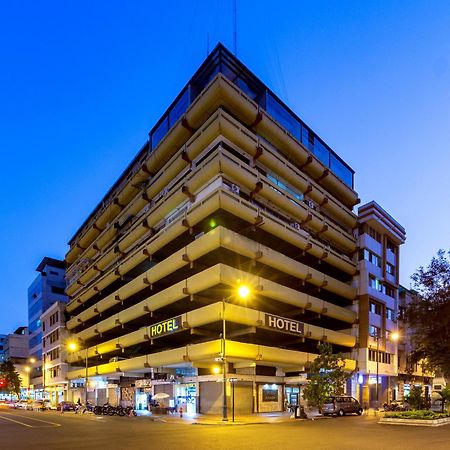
(270, 397)
(186, 397)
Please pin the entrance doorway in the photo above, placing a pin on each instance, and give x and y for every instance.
(186, 397)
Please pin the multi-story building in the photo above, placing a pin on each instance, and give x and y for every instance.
(2, 347)
(379, 240)
(231, 187)
(47, 288)
(54, 340)
(16, 351)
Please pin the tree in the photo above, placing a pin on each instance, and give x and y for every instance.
(326, 376)
(428, 315)
(445, 395)
(9, 374)
(415, 397)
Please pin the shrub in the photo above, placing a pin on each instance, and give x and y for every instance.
(416, 414)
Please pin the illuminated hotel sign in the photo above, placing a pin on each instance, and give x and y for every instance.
(165, 327)
(284, 325)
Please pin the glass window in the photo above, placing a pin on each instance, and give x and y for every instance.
(374, 331)
(283, 116)
(160, 132)
(307, 139)
(179, 108)
(375, 308)
(321, 152)
(390, 269)
(341, 171)
(390, 314)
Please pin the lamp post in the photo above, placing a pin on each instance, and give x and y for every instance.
(73, 346)
(243, 292)
(394, 338)
(27, 370)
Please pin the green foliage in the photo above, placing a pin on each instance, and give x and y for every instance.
(428, 315)
(9, 373)
(415, 397)
(421, 415)
(445, 394)
(326, 376)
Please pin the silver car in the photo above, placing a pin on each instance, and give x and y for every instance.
(341, 405)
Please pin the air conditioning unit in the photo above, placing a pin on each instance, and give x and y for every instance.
(311, 204)
(296, 225)
(235, 188)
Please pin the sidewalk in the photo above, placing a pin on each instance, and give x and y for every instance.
(239, 419)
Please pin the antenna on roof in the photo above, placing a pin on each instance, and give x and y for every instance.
(235, 27)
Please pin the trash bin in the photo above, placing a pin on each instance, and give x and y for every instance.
(300, 412)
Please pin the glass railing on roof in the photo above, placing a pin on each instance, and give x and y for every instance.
(225, 63)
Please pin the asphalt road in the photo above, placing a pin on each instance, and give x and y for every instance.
(52, 431)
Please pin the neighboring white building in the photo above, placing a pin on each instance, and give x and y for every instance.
(54, 340)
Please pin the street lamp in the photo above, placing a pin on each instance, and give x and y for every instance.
(392, 337)
(242, 292)
(73, 347)
(28, 370)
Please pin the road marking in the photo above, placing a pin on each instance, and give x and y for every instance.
(52, 424)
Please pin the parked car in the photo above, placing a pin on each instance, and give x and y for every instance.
(23, 404)
(341, 405)
(66, 406)
(39, 405)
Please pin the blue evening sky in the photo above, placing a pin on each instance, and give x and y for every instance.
(82, 83)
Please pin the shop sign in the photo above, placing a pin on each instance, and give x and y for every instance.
(284, 325)
(166, 327)
(143, 383)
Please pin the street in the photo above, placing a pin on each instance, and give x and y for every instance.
(50, 430)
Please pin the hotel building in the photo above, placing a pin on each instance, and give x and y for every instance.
(231, 188)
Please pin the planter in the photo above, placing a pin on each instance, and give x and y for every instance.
(415, 422)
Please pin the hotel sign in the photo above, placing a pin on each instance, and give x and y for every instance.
(284, 325)
(165, 327)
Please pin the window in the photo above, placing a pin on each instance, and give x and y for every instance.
(375, 308)
(52, 272)
(283, 116)
(390, 314)
(382, 357)
(391, 246)
(374, 331)
(374, 234)
(58, 290)
(375, 283)
(367, 255)
(54, 318)
(390, 269)
(390, 291)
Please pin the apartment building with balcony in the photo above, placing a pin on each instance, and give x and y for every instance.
(379, 239)
(231, 187)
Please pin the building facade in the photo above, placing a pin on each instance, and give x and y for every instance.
(16, 351)
(231, 188)
(379, 240)
(2, 347)
(47, 288)
(54, 340)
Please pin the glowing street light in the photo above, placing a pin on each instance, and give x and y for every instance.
(243, 292)
(73, 346)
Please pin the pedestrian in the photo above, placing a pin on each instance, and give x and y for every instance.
(181, 411)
